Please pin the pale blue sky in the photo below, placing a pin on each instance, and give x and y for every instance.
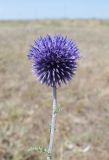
(40, 9)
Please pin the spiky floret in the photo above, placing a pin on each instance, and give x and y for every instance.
(54, 59)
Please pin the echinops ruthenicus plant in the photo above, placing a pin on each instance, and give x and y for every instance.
(54, 61)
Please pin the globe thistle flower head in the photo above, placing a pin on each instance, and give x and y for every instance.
(54, 59)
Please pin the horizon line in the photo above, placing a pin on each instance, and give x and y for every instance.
(41, 19)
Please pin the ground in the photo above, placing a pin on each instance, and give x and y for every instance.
(25, 105)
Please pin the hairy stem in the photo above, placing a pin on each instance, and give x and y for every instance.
(53, 125)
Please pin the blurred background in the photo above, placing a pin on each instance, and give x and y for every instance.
(25, 105)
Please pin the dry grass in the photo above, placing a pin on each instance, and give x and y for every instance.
(25, 105)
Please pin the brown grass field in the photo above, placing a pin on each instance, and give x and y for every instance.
(25, 105)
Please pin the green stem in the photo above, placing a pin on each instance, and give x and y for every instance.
(53, 125)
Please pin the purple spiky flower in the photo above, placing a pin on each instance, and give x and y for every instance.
(54, 59)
